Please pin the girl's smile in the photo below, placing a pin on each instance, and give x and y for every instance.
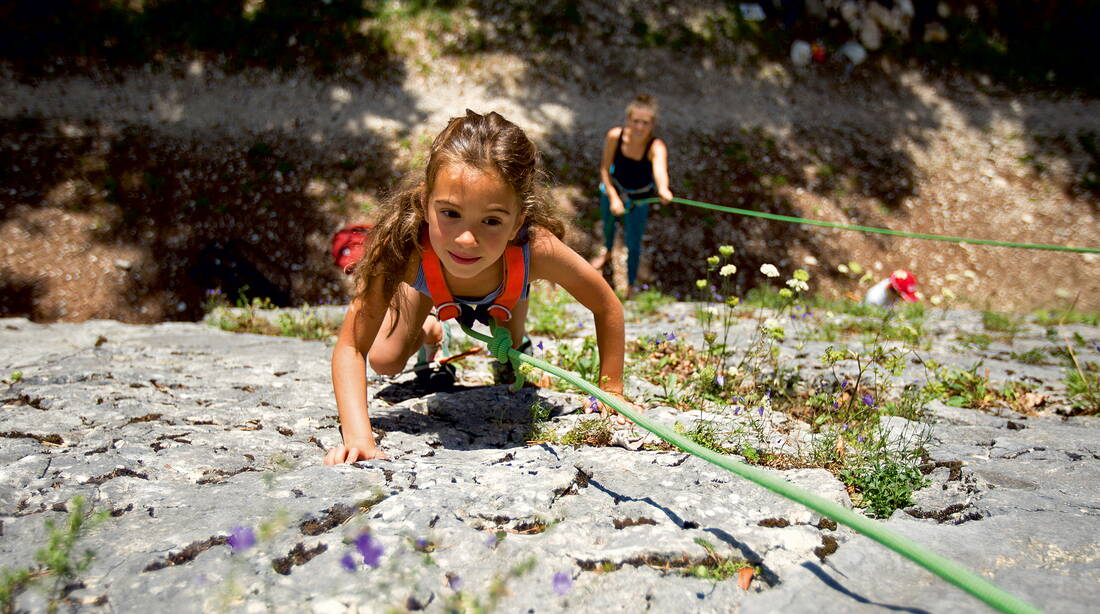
(472, 216)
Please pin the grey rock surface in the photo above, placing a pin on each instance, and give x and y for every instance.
(185, 433)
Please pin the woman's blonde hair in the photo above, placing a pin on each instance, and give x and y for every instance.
(643, 102)
(488, 143)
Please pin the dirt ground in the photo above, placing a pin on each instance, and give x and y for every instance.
(131, 195)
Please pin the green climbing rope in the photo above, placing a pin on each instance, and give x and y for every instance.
(885, 231)
(949, 570)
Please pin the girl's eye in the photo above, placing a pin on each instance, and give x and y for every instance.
(451, 213)
(493, 221)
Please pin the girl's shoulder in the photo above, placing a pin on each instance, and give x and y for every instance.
(614, 133)
(542, 243)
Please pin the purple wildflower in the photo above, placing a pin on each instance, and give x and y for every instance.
(348, 562)
(539, 345)
(860, 438)
(645, 286)
(422, 544)
(562, 583)
(593, 404)
(720, 380)
(737, 410)
(670, 337)
(844, 385)
(454, 581)
(370, 548)
(492, 541)
(760, 410)
(241, 539)
(845, 427)
(868, 400)
(836, 404)
(739, 399)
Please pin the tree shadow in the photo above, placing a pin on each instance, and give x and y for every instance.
(248, 216)
(18, 295)
(43, 38)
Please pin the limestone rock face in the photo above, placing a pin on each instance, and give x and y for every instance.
(188, 435)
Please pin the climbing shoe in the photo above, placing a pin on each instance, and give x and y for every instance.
(437, 377)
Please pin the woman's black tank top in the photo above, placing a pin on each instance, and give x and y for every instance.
(629, 173)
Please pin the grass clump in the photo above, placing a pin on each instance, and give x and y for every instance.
(1083, 388)
(648, 302)
(1000, 323)
(717, 568)
(589, 432)
(883, 485)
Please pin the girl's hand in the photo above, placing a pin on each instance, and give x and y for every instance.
(617, 207)
(666, 195)
(351, 453)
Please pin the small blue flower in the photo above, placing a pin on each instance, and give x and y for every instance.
(593, 404)
(562, 583)
(645, 286)
(348, 562)
(454, 581)
(844, 385)
(760, 410)
(492, 541)
(836, 404)
(737, 410)
(422, 544)
(860, 438)
(868, 400)
(720, 380)
(670, 337)
(539, 345)
(370, 548)
(241, 539)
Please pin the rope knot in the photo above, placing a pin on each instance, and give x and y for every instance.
(500, 343)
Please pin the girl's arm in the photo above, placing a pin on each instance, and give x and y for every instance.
(556, 262)
(349, 376)
(610, 142)
(659, 156)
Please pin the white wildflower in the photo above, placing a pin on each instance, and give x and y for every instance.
(769, 270)
(798, 285)
(727, 270)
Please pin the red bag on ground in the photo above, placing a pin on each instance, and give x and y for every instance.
(348, 245)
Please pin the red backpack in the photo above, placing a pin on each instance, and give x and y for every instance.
(348, 245)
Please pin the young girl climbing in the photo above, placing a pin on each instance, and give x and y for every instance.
(634, 166)
(466, 238)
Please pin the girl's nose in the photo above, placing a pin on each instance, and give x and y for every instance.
(466, 238)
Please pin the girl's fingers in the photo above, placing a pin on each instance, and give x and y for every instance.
(333, 454)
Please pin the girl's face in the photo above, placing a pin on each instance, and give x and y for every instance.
(472, 216)
(640, 123)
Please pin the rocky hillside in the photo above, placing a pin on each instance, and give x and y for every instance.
(129, 188)
(201, 450)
